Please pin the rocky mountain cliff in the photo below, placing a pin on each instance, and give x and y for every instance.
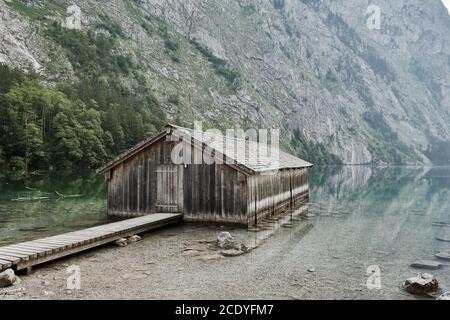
(336, 79)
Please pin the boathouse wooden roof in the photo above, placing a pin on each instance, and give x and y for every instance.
(248, 161)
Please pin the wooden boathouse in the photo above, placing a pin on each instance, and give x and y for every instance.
(238, 189)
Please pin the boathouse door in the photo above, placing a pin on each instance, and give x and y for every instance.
(169, 188)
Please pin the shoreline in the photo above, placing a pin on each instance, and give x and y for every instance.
(179, 262)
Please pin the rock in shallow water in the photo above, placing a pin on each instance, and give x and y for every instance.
(426, 264)
(7, 278)
(441, 224)
(443, 255)
(424, 284)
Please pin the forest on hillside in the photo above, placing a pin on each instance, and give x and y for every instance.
(79, 123)
(44, 128)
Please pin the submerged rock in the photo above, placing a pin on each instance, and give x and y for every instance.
(8, 278)
(441, 224)
(287, 225)
(445, 296)
(308, 216)
(424, 284)
(426, 264)
(443, 255)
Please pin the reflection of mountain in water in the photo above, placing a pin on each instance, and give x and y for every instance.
(390, 217)
(417, 189)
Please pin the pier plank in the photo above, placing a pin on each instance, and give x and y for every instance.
(17, 253)
(5, 264)
(27, 254)
(31, 252)
(13, 260)
(22, 247)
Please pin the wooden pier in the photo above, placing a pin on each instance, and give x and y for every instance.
(25, 255)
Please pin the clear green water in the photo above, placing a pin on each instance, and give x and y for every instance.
(32, 219)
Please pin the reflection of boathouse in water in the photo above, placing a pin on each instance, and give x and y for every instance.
(237, 189)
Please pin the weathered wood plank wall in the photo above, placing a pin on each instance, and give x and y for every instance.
(267, 194)
(133, 185)
(214, 193)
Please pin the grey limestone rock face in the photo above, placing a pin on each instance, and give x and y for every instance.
(304, 65)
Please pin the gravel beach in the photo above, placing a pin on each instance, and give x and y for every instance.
(182, 262)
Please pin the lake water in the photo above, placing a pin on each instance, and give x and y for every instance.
(32, 218)
(378, 216)
(359, 216)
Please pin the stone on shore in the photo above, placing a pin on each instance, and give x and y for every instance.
(133, 239)
(232, 253)
(230, 246)
(191, 252)
(122, 242)
(424, 284)
(211, 257)
(225, 241)
(8, 278)
(426, 264)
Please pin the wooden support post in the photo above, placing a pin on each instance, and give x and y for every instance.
(25, 272)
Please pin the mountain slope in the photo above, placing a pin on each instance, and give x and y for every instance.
(312, 68)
